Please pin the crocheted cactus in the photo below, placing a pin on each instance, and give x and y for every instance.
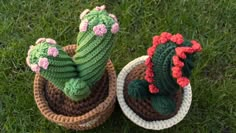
(169, 66)
(48, 59)
(75, 76)
(94, 42)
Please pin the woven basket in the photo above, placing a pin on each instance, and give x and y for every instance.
(82, 115)
(140, 111)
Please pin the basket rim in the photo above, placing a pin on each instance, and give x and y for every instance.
(46, 111)
(130, 114)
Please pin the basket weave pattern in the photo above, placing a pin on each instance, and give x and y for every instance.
(87, 120)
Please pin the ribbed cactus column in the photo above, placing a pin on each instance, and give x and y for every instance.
(48, 59)
(168, 68)
(95, 42)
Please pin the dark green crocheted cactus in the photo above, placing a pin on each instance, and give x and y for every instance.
(169, 66)
(76, 76)
(95, 42)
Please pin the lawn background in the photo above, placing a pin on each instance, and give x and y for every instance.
(211, 22)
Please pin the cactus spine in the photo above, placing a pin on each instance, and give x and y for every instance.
(169, 66)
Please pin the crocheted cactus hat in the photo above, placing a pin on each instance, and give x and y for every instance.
(76, 76)
(169, 65)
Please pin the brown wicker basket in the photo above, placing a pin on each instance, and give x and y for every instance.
(143, 107)
(82, 115)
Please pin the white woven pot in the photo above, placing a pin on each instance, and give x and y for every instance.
(153, 125)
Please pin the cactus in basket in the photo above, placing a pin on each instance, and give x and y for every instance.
(168, 68)
(94, 43)
(75, 76)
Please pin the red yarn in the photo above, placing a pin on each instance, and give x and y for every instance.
(156, 40)
(153, 89)
(177, 38)
(166, 35)
(180, 52)
(196, 46)
(183, 81)
(151, 51)
(176, 72)
(177, 62)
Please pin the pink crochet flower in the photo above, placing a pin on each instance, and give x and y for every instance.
(153, 89)
(183, 81)
(35, 68)
(98, 8)
(40, 40)
(83, 25)
(180, 52)
(149, 79)
(86, 11)
(52, 51)
(149, 72)
(43, 62)
(115, 28)
(163, 39)
(177, 62)
(156, 40)
(166, 35)
(114, 17)
(176, 72)
(51, 41)
(196, 46)
(100, 30)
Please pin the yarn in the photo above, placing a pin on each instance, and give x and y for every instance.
(169, 66)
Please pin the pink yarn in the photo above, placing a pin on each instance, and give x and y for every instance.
(100, 30)
(156, 40)
(149, 79)
(148, 61)
(115, 28)
(35, 68)
(83, 25)
(52, 51)
(163, 39)
(178, 39)
(114, 17)
(51, 41)
(43, 62)
(151, 51)
(196, 46)
(183, 81)
(176, 72)
(40, 40)
(166, 35)
(86, 11)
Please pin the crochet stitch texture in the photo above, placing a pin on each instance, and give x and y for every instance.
(169, 65)
(75, 76)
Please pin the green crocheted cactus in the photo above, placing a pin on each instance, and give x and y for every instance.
(48, 59)
(169, 66)
(95, 42)
(75, 76)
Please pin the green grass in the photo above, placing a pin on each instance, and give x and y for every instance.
(212, 22)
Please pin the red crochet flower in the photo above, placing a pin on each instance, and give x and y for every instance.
(180, 52)
(156, 40)
(148, 61)
(166, 35)
(183, 81)
(163, 40)
(177, 62)
(149, 72)
(178, 39)
(188, 50)
(176, 72)
(149, 79)
(196, 46)
(153, 89)
(151, 51)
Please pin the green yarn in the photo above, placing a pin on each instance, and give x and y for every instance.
(138, 89)
(93, 51)
(163, 101)
(165, 105)
(75, 76)
(60, 69)
(76, 89)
